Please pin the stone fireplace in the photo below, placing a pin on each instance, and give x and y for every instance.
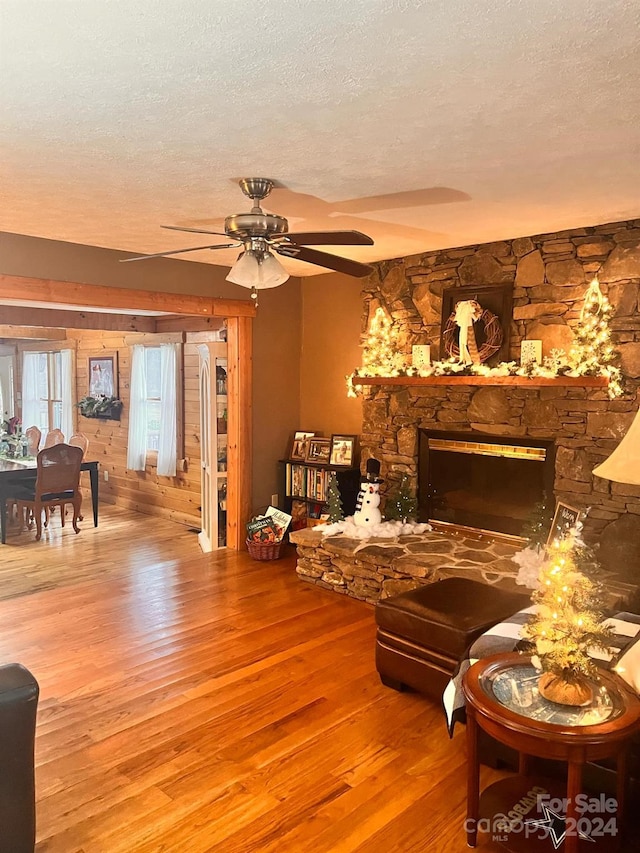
(486, 482)
(575, 423)
(549, 274)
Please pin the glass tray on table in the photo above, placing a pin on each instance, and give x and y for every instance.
(516, 688)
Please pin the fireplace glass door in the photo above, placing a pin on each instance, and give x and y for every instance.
(485, 482)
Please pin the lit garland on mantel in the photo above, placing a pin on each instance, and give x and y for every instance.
(592, 354)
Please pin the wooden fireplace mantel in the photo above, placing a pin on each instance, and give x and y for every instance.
(521, 381)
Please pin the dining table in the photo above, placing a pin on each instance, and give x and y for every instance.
(19, 469)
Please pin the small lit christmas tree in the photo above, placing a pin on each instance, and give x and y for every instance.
(593, 353)
(401, 505)
(568, 621)
(334, 499)
(381, 354)
(538, 525)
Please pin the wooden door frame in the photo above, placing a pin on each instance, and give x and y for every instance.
(195, 313)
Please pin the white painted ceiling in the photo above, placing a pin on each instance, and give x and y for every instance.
(474, 120)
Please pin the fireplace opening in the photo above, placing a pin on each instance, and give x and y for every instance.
(487, 482)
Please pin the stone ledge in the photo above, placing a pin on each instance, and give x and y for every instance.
(370, 569)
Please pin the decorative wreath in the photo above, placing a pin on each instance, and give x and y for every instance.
(493, 336)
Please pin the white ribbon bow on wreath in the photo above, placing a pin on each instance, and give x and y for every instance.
(467, 313)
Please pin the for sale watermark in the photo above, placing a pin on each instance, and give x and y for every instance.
(538, 814)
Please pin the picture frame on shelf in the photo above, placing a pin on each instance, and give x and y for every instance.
(103, 376)
(300, 445)
(319, 450)
(343, 450)
(564, 519)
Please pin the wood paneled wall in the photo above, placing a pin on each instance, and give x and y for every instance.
(176, 498)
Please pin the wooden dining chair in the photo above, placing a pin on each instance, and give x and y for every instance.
(79, 439)
(54, 436)
(57, 484)
(33, 435)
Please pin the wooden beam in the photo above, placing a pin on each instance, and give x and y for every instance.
(64, 319)
(188, 324)
(32, 333)
(239, 459)
(118, 298)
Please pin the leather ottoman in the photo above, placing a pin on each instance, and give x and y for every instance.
(422, 634)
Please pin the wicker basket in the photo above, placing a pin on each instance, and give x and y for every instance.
(265, 550)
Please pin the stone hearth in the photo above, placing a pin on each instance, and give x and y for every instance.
(378, 568)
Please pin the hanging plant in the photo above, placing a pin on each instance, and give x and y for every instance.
(100, 407)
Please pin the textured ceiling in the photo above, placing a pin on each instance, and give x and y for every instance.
(465, 120)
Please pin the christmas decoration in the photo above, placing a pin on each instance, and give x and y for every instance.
(567, 622)
(538, 525)
(460, 326)
(381, 355)
(593, 353)
(334, 500)
(401, 505)
(367, 512)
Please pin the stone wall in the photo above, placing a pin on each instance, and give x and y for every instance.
(549, 274)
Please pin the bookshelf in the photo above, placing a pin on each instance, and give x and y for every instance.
(304, 486)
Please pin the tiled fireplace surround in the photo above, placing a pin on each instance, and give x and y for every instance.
(549, 274)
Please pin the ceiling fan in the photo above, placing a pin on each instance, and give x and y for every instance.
(261, 234)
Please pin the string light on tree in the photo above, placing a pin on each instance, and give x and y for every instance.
(594, 353)
(381, 355)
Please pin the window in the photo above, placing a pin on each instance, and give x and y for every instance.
(47, 391)
(155, 413)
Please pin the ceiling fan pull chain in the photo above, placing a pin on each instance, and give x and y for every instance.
(254, 296)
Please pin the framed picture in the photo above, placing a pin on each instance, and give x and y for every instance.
(103, 376)
(300, 445)
(565, 517)
(319, 450)
(343, 450)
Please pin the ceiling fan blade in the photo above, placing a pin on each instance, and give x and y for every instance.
(329, 238)
(179, 252)
(323, 259)
(194, 230)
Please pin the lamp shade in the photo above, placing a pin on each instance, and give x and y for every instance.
(623, 466)
(259, 270)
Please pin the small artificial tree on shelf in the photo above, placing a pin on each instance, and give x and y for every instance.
(334, 499)
(567, 622)
(401, 505)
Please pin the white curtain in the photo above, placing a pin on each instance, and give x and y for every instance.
(168, 421)
(66, 393)
(30, 396)
(137, 443)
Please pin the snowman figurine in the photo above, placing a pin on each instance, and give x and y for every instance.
(367, 512)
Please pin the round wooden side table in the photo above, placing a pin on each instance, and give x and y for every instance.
(503, 700)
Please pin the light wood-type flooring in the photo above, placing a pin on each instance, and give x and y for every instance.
(195, 703)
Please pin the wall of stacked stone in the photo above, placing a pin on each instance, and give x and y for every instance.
(549, 274)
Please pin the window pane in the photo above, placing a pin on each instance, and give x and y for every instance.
(153, 372)
(57, 416)
(154, 413)
(56, 370)
(43, 374)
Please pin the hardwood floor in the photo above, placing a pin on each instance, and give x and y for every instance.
(198, 703)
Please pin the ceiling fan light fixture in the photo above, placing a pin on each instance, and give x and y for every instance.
(259, 270)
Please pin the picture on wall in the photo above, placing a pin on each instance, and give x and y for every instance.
(103, 376)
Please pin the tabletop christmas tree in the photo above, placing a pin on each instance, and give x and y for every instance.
(334, 500)
(537, 527)
(568, 622)
(401, 505)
